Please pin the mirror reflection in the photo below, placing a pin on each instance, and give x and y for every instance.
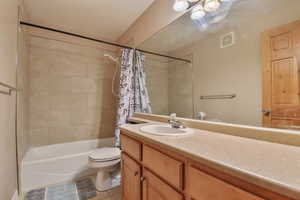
(244, 64)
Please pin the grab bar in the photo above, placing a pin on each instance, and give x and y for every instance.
(229, 96)
(10, 89)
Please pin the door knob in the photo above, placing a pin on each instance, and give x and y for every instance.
(143, 179)
(266, 112)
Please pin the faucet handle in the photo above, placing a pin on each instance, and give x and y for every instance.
(175, 123)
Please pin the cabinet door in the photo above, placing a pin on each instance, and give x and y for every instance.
(131, 176)
(156, 189)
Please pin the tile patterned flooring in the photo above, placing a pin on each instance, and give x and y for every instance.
(83, 189)
(65, 191)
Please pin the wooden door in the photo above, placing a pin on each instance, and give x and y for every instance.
(131, 179)
(155, 189)
(281, 81)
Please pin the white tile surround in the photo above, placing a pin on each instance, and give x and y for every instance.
(70, 93)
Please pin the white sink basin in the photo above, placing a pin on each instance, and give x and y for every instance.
(165, 130)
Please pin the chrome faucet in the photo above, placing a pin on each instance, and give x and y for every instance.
(175, 123)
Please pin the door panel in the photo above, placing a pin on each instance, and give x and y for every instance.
(286, 124)
(281, 123)
(296, 35)
(285, 111)
(285, 82)
(281, 46)
(281, 60)
(131, 175)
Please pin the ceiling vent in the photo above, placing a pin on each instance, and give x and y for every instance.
(227, 40)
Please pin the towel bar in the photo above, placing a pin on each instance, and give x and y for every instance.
(229, 96)
(10, 89)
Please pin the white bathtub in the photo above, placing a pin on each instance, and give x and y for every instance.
(57, 163)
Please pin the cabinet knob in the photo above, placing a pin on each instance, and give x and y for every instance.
(136, 173)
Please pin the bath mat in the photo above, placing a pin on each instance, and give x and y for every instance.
(36, 195)
(65, 191)
(80, 190)
(86, 189)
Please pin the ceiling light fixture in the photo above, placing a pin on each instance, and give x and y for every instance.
(197, 12)
(211, 5)
(199, 8)
(180, 5)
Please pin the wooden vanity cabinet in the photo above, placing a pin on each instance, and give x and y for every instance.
(152, 173)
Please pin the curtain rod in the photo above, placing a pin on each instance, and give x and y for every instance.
(101, 41)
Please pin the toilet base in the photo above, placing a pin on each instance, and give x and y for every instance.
(106, 180)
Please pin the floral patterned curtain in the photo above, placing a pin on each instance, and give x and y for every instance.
(133, 94)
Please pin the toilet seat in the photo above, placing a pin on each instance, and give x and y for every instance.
(105, 155)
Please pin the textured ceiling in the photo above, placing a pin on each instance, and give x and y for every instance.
(106, 19)
(184, 32)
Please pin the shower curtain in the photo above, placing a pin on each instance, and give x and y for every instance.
(133, 94)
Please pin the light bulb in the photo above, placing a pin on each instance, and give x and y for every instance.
(218, 18)
(197, 12)
(180, 5)
(211, 5)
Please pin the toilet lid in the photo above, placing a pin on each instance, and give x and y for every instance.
(105, 154)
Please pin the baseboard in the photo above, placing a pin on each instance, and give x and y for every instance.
(15, 196)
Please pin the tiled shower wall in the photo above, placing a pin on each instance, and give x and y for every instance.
(70, 93)
(170, 86)
(157, 83)
(180, 88)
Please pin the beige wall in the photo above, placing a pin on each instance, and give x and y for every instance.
(157, 83)
(70, 93)
(8, 55)
(156, 17)
(236, 70)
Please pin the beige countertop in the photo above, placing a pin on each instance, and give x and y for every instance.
(270, 165)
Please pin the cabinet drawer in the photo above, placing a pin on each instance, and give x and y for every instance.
(131, 147)
(201, 186)
(154, 189)
(169, 169)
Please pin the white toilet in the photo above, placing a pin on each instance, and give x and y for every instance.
(106, 161)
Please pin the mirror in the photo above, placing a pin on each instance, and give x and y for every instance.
(244, 65)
